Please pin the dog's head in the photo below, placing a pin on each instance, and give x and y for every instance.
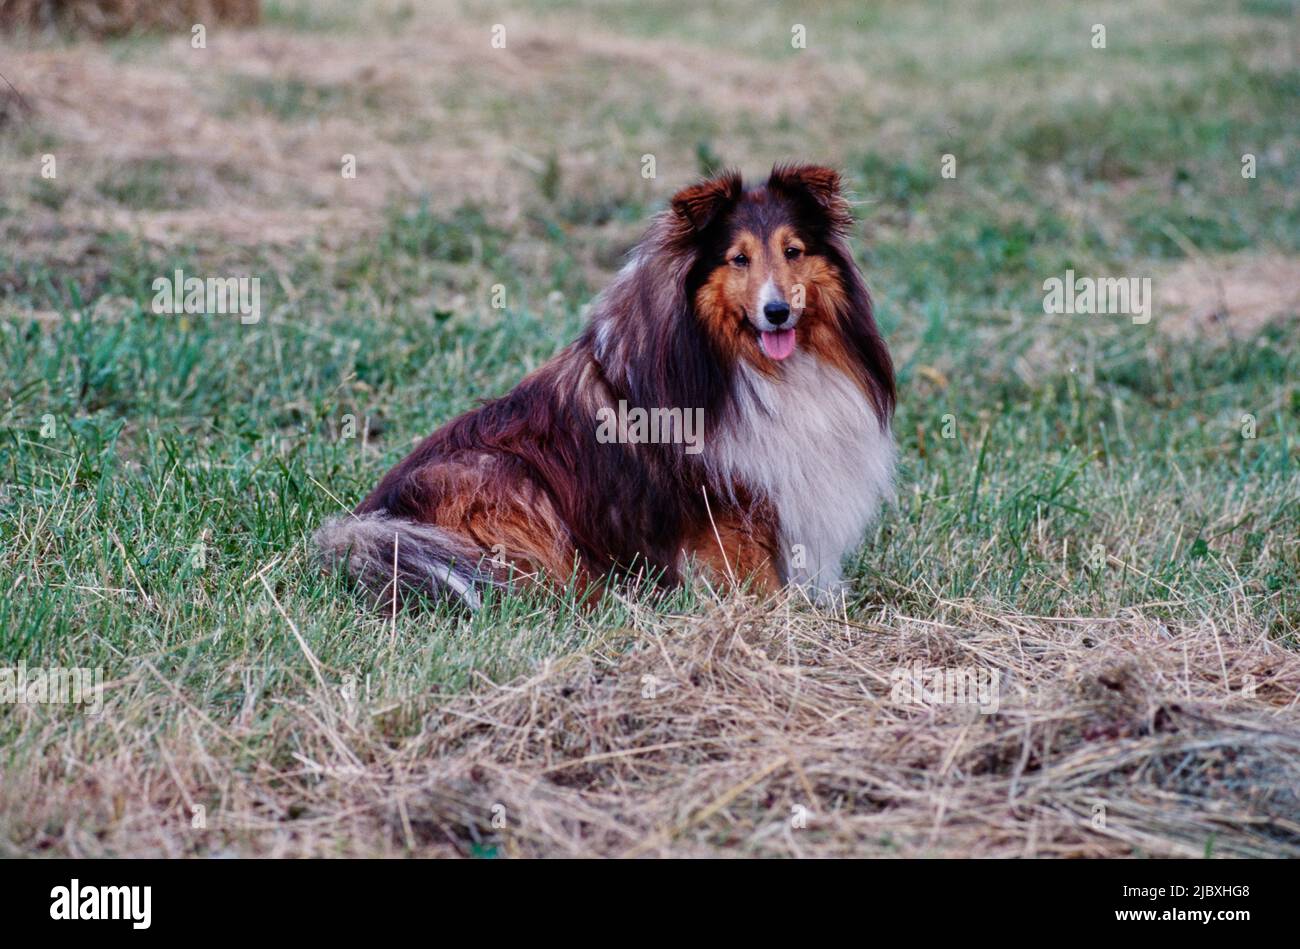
(730, 274)
(768, 273)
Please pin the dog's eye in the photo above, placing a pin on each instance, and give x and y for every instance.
(792, 253)
(740, 260)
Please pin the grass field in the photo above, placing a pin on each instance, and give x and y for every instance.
(1106, 514)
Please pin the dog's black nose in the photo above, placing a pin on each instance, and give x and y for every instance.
(776, 313)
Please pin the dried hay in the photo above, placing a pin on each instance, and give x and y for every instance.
(116, 17)
(753, 730)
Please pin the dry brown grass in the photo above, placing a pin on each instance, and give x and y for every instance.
(1228, 294)
(1114, 736)
(240, 174)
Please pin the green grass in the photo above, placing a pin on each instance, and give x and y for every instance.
(177, 436)
(291, 98)
(172, 432)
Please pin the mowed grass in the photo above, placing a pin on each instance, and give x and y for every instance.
(162, 475)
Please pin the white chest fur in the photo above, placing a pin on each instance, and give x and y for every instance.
(811, 443)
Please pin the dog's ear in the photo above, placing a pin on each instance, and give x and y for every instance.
(817, 185)
(698, 206)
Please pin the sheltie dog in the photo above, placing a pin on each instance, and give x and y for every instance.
(740, 308)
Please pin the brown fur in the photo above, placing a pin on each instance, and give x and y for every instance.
(524, 479)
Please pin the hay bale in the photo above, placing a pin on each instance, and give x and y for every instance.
(117, 17)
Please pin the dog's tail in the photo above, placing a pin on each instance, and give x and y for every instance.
(379, 550)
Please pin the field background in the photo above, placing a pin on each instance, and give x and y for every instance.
(162, 475)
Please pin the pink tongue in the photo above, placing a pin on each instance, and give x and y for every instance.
(778, 345)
